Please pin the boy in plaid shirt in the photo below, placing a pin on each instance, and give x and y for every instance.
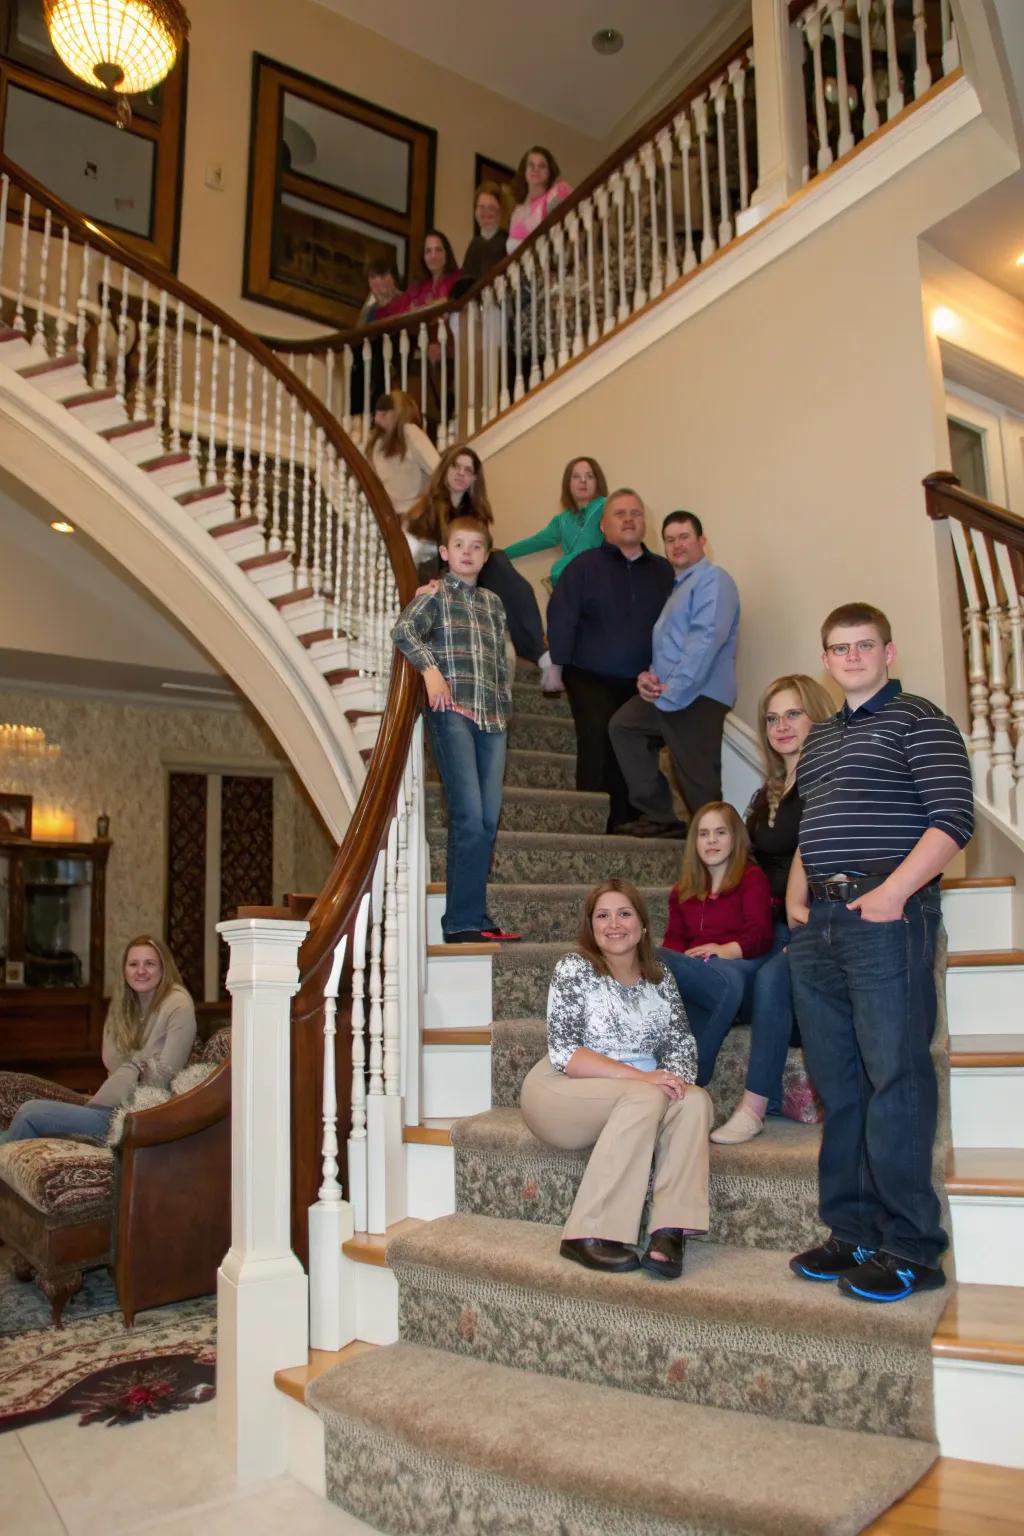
(454, 634)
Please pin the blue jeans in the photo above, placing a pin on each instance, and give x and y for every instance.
(865, 1001)
(714, 992)
(471, 763)
(768, 1009)
(49, 1117)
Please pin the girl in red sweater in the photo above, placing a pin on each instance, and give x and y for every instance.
(719, 927)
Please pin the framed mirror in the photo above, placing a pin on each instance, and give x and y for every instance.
(335, 182)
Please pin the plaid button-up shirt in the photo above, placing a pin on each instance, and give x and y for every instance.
(461, 630)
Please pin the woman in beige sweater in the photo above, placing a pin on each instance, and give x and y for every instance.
(400, 451)
(148, 1038)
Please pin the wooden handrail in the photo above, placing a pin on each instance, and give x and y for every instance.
(355, 859)
(333, 341)
(946, 497)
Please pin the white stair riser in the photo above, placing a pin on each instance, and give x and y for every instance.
(328, 655)
(366, 731)
(988, 1239)
(458, 991)
(18, 352)
(357, 693)
(177, 478)
(979, 1410)
(375, 1292)
(305, 1455)
(985, 999)
(311, 613)
(435, 912)
(139, 446)
(100, 414)
(212, 513)
(429, 1181)
(456, 1081)
(273, 580)
(986, 1104)
(246, 544)
(979, 919)
(60, 383)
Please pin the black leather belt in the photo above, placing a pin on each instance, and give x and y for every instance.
(844, 890)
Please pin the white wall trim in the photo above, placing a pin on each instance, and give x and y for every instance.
(952, 107)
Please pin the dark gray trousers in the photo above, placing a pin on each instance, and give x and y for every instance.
(694, 738)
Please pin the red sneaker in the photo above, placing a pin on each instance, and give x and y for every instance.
(499, 936)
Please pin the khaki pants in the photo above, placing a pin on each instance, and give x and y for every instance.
(630, 1124)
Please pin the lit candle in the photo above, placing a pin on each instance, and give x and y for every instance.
(53, 824)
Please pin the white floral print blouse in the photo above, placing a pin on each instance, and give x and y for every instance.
(646, 1019)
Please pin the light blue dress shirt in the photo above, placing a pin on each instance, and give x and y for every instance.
(695, 638)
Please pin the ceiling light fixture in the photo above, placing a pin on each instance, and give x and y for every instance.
(607, 41)
(945, 321)
(126, 46)
(1020, 260)
(59, 525)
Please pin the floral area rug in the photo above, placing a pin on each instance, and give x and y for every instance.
(94, 1366)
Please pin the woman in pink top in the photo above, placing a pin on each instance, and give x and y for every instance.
(539, 188)
(438, 275)
(720, 927)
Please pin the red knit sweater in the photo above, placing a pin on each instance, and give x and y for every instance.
(742, 916)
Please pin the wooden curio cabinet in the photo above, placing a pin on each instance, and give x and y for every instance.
(52, 924)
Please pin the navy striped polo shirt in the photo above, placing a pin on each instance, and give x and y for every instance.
(874, 779)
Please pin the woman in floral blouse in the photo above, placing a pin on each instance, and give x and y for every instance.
(619, 1076)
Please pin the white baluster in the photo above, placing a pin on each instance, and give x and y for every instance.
(543, 249)
(871, 118)
(922, 72)
(336, 493)
(385, 1159)
(404, 920)
(471, 367)
(700, 119)
(515, 278)
(632, 170)
(329, 383)
(330, 1219)
(998, 697)
(82, 307)
(351, 560)
(504, 397)
(100, 376)
(403, 357)
(618, 191)
(586, 212)
(895, 101)
(276, 479)
(5, 192)
(316, 531)
(387, 352)
(302, 576)
(1015, 633)
(39, 329)
(837, 16)
(212, 471)
(367, 356)
(650, 169)
(682, 127)
(357, 1135)
(197, 385)
(814, 30)
(330, 1186)
(19, 308)
(601, 203)
(261, 468)
(346, 387)
(489, 356)
(392, 1018)
(159, 387)
(121, 362)
(665, 154)
(246, 492)
(455, 430)
(950, 42)
(977, 675)
(738, 81)
(423, 341)
(442, 341)
(229, 423)
(558, 246)
(720, 97)
(143, 369)
(573, 225)
(179, 366)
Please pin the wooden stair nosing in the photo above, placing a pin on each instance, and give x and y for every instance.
(126, 429)
(89, 397)
(51, 365)
(466, 1036)
(427, 1135)
(986, 1050)
(452, 951)
(978, 882)
(165, 461)
(201, 493)
(293, 1380)
(340, 675)
(284, 598)
(982, 1322)
(236, 525)
(986, 1171)
(371, 1247)
(963, 959)
(258, 562)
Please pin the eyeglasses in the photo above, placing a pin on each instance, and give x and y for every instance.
(790, 716)
(862, 647)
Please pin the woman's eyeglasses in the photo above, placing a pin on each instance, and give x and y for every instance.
(790, 716)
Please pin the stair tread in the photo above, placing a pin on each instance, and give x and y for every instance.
(529, 796)
(978, 882)
(986, 1050)
(982, 1322)
(294, 1379)
(960, 958)
(369, 1247)
(432, 1132)
(648, 1455)
(450, 950)
(986, 1171)
(728, 1285)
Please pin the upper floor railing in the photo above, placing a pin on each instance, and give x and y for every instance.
(131, 334)
(988, 543)
(662, 207)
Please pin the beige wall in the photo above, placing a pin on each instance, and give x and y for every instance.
(308, 37)
(115, 759)
(796, 416)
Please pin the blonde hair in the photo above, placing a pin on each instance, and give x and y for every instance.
(126, 1017)
(391, 440)
(694, 876)
(586, 945)
(817, 704)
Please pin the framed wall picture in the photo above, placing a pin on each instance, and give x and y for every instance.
(486, 169)
(15, 815)
(63, 132)
(335, 182)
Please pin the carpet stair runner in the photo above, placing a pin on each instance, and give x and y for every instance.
(530, 1397)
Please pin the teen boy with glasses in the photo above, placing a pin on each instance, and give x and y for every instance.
(887, 796)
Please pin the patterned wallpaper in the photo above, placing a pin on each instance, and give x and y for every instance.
(114, 759)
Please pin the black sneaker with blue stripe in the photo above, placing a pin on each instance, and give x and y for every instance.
(830, 1260)
(888, 1278)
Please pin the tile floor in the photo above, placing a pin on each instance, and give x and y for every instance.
(165, 1475)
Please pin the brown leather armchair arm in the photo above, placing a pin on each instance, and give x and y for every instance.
(183, 1115)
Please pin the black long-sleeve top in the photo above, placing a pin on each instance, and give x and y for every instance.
(604, 609)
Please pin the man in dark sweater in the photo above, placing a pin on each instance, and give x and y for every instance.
(600, 620)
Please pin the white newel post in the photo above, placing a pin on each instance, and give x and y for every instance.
(781, 125)
(262, 1301)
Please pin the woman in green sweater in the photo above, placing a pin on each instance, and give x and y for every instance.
(578, 526)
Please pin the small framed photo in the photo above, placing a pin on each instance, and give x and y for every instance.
(14, 973)
(15, 815)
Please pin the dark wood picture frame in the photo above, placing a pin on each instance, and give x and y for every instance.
(160, 121)
(274, 237)
(486, 169)
(15, 816)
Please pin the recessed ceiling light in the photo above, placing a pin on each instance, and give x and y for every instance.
(945, 321)
(607, 41)
(1020, 259)
(60, 526)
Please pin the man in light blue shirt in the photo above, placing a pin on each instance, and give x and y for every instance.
(682, 702)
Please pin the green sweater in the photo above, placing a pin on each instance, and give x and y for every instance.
(574, 531)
